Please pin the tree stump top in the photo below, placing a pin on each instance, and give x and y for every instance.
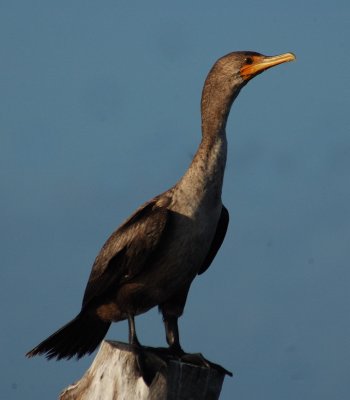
(115, 375)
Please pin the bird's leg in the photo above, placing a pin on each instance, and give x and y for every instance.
(132, 331)
(148, 364)
(172, 335)
(175, 349)
(171, 311)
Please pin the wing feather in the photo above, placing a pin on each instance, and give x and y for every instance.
(219, 237)
(125, 253)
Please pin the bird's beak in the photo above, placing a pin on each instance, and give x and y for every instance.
(260, 63)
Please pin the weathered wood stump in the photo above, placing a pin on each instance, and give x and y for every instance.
(115, 375)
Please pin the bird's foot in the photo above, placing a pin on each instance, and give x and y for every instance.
(152, 360)
(167, 353)
(148, 363)
(177, 353)
(199, 360)
(134, 342)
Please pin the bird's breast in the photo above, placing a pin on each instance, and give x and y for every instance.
(190, 235)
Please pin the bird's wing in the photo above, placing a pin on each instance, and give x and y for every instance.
(217, 240)
(126, 252)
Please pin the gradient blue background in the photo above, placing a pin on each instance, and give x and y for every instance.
(99, 105)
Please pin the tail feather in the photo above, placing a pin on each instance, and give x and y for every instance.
(79, 337)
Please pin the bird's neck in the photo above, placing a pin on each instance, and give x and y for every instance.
(202, 183)
(215, 108)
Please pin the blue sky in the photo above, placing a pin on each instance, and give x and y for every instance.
(99, 105)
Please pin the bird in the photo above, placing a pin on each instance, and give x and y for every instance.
(154, 256)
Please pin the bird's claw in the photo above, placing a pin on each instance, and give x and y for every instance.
(199, 360)
(148, 363)
(195, 359)
(152, 360)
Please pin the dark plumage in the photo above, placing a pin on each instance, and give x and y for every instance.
(153, 257)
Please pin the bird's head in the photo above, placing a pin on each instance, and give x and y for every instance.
(229, 74)
(239, 67)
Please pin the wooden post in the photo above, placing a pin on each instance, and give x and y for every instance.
(114, 375)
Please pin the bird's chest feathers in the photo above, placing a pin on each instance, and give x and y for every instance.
(192, 237)
(196, 206)
(198, 193)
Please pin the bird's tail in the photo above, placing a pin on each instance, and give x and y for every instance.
(80, 336)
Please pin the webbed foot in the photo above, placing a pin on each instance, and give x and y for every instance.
(176, 353)
(199, 360)
(148, 363)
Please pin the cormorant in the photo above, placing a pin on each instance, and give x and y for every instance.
(153, 257)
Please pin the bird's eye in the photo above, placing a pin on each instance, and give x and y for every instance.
(249, 60)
